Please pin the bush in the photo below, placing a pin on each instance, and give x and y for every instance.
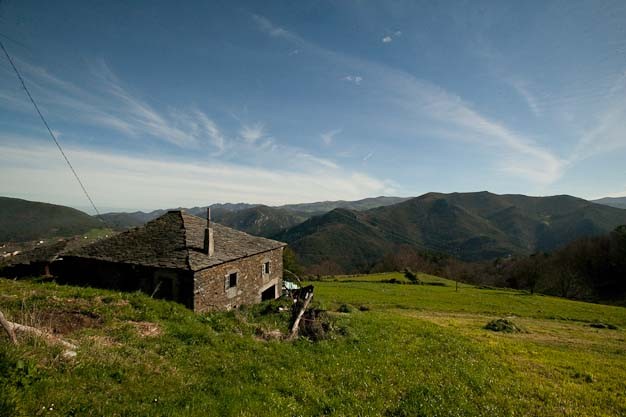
(603, 326)
(504, 325)
(392, 281)
(345, 308)
(411, 276)
(318, 325)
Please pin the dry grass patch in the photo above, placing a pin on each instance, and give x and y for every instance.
(146, 329)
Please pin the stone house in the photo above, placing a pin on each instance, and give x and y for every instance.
(181, 257)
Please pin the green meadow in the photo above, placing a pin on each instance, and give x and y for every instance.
(391, 349)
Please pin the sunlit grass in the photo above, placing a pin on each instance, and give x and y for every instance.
(418, 350)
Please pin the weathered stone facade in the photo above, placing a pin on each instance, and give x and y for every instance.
(212, 289)
(180, 257)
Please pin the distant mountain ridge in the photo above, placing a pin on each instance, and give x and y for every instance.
(23, 220)
(256, 219)
(617, 202)
(358, 205)
(471, 226)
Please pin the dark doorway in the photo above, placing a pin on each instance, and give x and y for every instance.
(269, 294)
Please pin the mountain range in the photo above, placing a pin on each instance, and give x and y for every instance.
(470, 226)
(352, 236)
(255, 219)
(618, 202)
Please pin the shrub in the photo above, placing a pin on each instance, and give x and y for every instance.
(318, 325)
(411, 276)
(603, 326)
(345, 308)
(504, 325)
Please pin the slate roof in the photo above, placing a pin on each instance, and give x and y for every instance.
(44, 253)
(176, 240)
(39, 254)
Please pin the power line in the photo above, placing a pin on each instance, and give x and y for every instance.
(32, 100)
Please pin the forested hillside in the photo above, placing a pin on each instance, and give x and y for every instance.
(469, 226)
(22, 220)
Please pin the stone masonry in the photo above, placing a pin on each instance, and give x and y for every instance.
(212, 289)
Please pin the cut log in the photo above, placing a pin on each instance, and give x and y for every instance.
(11, 328)
(44, 335)
(8, 327)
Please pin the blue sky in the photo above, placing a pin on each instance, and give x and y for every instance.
(163, 104)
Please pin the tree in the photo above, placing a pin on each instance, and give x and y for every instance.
(411, 276)
(290, 261)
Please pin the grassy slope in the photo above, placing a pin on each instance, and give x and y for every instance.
(22, 220)
(419, 350)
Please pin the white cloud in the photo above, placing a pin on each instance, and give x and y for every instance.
(252, 133)
(355, 79)
(268, 27)
(329, 137)
(389, 38)
(165, 182)
(368, 156)
(110, 105)
(428, 107)
(317, 160)
(522, 88)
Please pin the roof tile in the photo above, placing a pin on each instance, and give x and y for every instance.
(176, 240)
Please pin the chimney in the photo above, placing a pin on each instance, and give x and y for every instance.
(208, 234)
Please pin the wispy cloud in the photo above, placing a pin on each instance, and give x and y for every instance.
(522, 88)
(329, 137)
(608, 131)
(355, 79)
(110, 105)
(389, 38)
(273, 30)
(428, 106)
(368, 156)
(29, 172)
(252, 133)
(317, 160)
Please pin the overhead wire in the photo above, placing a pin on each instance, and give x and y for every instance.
(52, 135)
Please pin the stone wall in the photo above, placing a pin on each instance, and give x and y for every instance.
(212, 290)
(166, 283)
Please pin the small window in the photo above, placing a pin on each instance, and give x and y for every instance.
(266, 267)
(232, 280)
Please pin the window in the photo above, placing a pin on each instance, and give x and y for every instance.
(231, 280)
(266, 267)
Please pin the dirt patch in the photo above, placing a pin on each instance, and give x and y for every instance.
(146, 329)
(65, 322)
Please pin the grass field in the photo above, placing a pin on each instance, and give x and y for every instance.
(399, 350)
